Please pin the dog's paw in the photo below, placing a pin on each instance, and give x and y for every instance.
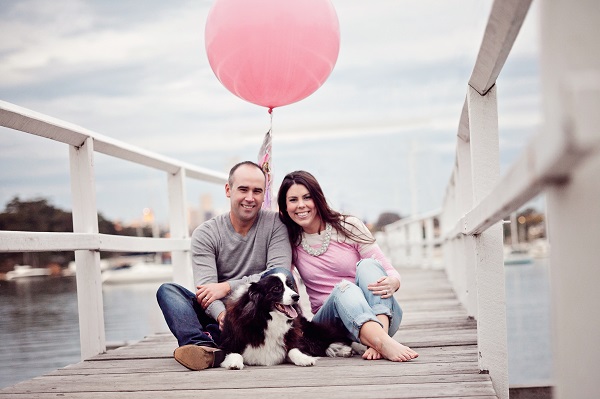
(301, 359)
(358, 348)
(337, 349)
(233, 361)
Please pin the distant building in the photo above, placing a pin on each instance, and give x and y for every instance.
(202, 213)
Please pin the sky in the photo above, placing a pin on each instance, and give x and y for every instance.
(137, 71)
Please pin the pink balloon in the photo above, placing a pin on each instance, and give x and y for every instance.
(272, 52)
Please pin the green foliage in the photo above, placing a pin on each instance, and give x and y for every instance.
(35, 215)
(384, 219)
(39, 215)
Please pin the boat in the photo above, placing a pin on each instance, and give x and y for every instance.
(517, 256)
(21, 271)
(141, 272)
(539, 249)
(518, 253)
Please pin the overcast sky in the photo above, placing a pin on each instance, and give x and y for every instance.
(137, 71)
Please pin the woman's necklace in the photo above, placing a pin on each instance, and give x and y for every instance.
(324, 245)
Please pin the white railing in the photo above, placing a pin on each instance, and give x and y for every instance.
(562, 162)
(412, 241)
(85, 239)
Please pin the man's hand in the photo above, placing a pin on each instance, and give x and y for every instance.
(208, 293)
(220, 319)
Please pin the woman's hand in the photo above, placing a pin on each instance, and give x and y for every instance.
(385, 286)
(208, 293)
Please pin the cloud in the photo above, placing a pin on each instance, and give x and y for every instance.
(137, 71)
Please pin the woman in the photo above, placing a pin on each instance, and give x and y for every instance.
(347, 277)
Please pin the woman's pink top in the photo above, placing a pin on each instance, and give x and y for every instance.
(321, 273)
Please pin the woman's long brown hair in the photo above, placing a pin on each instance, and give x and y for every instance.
(326, 214)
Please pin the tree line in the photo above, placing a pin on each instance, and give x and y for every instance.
(40, 215)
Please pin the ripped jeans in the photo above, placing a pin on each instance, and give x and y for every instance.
(352, 304)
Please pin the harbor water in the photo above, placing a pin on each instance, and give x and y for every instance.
(39, 323)
(528, 323)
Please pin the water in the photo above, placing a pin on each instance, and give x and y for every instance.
(39, 327)
(39, 323)
(528, 323)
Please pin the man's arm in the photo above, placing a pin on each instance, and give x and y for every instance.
(204, 266)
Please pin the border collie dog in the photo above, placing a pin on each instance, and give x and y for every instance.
(263, 327)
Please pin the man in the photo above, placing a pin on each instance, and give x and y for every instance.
(227, 251)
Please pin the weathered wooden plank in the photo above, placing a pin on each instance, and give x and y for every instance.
(421, 365)
(185, 394)
(390, 390)
(469, 390)
(425, 296)
(437, 329)
(436, 325)
(434, 335)
(428, 319)
(448, 354)
(442, 314)
(418, 338)
(434, 304)
(420, 279)
(412, 308)
(424, 339)
(264, 377)
(419, 342)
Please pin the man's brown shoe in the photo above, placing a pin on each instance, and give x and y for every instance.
(197, 358)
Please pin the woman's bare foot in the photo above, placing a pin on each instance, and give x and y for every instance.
(372, 335)
(394, 351)
(371, 354)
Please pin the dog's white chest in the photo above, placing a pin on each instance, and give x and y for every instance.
(272, 351)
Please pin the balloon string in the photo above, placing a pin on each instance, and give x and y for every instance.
(270, 188)
(266, 163)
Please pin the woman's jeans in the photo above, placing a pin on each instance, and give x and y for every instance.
(185, 317)
(352, 304)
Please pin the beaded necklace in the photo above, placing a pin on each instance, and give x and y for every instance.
(324, 245)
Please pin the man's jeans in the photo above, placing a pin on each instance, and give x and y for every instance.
(185, 317)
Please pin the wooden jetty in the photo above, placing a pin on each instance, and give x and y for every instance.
(434, 324)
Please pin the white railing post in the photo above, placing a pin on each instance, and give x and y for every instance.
(88, 277)
(415, 241)
(400, 252)
(489, 264)
(459, 259)
(178, 226)
(570, 52)
(429, 243)
(465, 204)
(448, 220)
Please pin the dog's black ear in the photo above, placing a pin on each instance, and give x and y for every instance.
(255, 293)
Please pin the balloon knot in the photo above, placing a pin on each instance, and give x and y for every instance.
(270, 110)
